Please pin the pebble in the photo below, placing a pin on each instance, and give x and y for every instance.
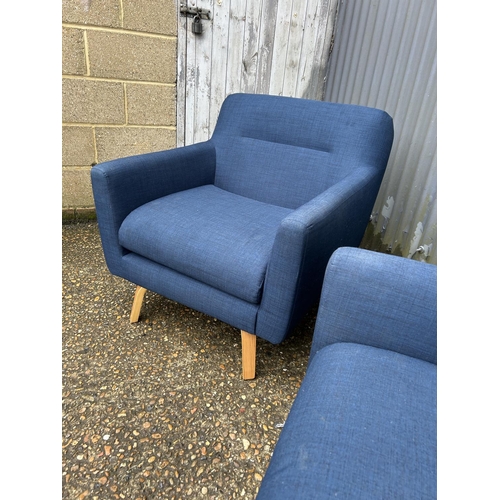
(157, 409)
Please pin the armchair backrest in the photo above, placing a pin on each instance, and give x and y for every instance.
(285, 151)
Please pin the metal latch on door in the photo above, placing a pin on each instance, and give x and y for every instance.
(198, 14)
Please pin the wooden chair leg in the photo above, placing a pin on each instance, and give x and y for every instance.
(249, 351)
(136, 306)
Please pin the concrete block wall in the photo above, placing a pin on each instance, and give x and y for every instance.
(118, 88)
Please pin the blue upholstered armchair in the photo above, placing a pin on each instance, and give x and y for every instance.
(241, 227)
(363, 424)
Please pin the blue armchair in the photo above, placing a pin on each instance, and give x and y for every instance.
(363, 424)
(241, 227)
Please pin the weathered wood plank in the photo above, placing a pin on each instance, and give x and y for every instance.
(220, 48)
(190, 85)
(325, 15)
(297, 38)
(266, 42)
(203, 48)
(280, 47)
(181, 78)
(236, 31)
(248, 46)
(251, 47)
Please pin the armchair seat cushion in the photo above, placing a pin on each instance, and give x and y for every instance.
(211, 235)
(363, 425)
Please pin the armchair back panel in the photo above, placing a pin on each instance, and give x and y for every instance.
(286, 151)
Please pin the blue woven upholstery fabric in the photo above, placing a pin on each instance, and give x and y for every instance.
(300, 147)
(122, 185)
(363, 426)
(255, 212)
(394, 300)
(303, 245)
(192, 293)
(218, 238)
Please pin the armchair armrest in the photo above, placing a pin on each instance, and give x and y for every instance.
(305, 241)
(122, 185)
(379, 300)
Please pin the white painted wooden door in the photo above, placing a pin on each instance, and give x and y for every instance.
(278, 47)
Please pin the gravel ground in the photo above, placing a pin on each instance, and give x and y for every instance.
(158, 409)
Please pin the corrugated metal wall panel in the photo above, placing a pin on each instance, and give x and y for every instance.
(384, 56)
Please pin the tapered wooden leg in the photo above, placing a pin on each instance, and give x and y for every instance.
(136, 306)
(248, 351)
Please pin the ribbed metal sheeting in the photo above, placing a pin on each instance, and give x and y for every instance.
(384, 56)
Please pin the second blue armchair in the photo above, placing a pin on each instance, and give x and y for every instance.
(241, 227)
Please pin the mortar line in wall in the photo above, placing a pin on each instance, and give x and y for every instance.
(125, 102)
(115, 80)
(114, 125)
(119, 30)
(86, 52)
(76, 167)
(94, 139)
(121, 12)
